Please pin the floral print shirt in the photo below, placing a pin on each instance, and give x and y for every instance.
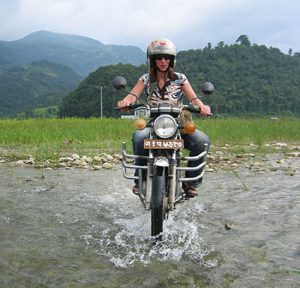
(171, 92)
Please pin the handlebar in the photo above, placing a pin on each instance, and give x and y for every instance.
(131, 107)
(190, 108)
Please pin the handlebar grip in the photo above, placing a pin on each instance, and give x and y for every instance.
(192, 108)
(195, 109)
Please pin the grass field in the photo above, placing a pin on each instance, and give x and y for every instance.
(51, 138)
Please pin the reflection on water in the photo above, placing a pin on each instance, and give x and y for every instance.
(80, 228)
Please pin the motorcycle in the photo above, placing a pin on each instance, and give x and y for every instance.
(160, 180)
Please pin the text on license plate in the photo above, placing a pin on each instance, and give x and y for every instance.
(163, 144)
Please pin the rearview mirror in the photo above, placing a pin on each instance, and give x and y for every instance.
(207, 88)
(119, 82)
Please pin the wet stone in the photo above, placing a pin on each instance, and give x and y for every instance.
(107, 166)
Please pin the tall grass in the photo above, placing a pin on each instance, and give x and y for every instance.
(243, 131)
(51, 138)
(91, 132)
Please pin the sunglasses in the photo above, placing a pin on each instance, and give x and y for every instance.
(162, 56)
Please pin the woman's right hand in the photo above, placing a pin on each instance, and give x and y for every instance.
(132, 97)
(125, 102)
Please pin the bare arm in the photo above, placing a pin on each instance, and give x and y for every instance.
(192, 97)
(130, 99)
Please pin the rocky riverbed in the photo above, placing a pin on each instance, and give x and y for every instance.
(75, 227)
(221, 158)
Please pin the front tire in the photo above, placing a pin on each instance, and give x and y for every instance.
(157, 201)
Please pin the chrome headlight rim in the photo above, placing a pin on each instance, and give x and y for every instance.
(165, 126)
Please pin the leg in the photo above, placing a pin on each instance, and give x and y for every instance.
(195, 143)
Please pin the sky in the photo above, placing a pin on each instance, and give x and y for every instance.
(190, 24)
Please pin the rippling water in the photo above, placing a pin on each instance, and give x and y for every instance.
(80, 228)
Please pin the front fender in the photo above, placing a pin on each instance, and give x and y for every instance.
(161, 162)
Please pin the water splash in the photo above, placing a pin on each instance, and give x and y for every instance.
(127, 240)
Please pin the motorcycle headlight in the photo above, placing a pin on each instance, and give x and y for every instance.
(165, 126)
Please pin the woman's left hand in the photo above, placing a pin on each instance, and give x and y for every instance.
(205, 110)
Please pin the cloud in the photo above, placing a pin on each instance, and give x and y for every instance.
(190, 24)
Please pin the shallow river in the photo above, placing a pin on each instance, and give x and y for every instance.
(81, 228)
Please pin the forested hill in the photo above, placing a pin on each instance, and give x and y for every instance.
(39, 84)
(249, 80)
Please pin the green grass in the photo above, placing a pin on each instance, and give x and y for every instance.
(243, 131)
(52, 138)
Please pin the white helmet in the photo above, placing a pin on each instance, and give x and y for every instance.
(161, 46)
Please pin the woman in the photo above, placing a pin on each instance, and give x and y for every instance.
(163, 85)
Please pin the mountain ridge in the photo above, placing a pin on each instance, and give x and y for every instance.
(82, 54)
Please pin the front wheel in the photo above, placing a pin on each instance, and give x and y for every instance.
(157, 201)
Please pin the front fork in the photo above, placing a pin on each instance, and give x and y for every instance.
(171, 182)
(149, 183)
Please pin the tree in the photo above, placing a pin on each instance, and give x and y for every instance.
(243, 40)
(221, 44)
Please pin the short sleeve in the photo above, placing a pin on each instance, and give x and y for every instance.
(144, 78)
(182, 78)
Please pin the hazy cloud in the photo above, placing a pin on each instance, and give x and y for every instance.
(190, 24)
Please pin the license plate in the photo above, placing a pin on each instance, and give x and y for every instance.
(163, 144)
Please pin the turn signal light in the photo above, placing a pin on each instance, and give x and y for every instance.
(140, 124)
(189, 127)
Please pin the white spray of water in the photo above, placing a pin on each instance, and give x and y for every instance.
(126, 240)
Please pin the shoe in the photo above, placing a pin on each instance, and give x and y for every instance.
(189, 190)
(136, 190)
